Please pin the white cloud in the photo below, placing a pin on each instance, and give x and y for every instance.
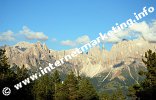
(137, 30)
(114, 40)
(79, 41)
(82, 40)
(68, 43)
(7, 36)
(118, 36)
(141, 27)
(29, 34)
(148, 31)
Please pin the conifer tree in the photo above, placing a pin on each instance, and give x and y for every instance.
(58, 87)
(8, 78)
(71, 86)
(4, 66)
(86, 90)
(42, 88)
(147, 89)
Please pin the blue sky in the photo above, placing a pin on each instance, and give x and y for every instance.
(61, 21)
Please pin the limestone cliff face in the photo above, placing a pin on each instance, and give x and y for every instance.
(30, 55)
(123, 57)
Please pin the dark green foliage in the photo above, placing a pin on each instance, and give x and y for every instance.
(105, 96)
(60, 93)
(71, 86)
(150, 63)
(118, 95)
(21, 73)
(56, 77)
(8, 78)
(47, 87)
(133, 90)
(147, 89)
(86, 90)
(58, 88)
(4, 67)
(42, 88)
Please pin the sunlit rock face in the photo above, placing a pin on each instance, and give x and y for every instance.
(123, 57)
(29, 55)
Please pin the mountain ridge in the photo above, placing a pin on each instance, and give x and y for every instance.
(125, 56)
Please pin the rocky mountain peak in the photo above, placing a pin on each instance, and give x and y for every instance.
(97, 60)
(23, 45)
(45, 47)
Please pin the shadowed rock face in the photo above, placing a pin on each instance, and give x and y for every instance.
(123, 57)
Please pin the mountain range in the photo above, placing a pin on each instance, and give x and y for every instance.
(107, 69)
